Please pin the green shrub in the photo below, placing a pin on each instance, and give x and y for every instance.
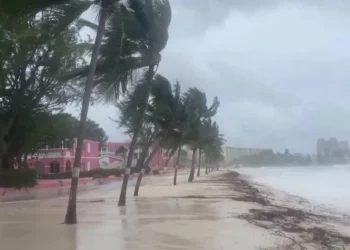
(18, 178)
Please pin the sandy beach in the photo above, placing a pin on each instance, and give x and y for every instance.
(219, 211)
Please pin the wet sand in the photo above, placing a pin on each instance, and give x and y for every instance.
(218, 211)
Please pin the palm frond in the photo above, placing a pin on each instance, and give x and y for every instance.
(59, 17)
(81, 23)
(16, 8)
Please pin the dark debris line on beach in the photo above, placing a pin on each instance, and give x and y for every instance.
(282, 221)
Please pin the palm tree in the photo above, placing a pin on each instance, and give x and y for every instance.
(213, 149)
(157, 15)
(208, 134)
(106, 7)
(132, 114)
(130, 119)
(197, 110)
(204, 137)
(155, 129)
(166, 113)
(112, 68)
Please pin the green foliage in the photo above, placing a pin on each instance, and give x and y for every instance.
(64, 127)
(173, 119)
(133, 39)
(133, 107)
(18, 178)
(94, 132)
(35, 48)
(212, 142)
(17, 8)
(197, 112)
(52, 130)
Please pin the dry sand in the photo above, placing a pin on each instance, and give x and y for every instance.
(218, 211)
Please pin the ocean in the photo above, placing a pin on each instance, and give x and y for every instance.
(324, 185)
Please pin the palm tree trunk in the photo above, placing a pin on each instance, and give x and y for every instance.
(177, 165)
(170, 156)
(25, 164)
(71, 215)
(138, 182)
(150, 157)
(124, 159)
(7, 160)
(6, 131)
(199, 163)
(206, 166)
(122, 197)
(141, 159)
(19, 161)
(145, 164)
(191, 177)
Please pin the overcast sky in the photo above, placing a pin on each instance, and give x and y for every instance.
(281, 69)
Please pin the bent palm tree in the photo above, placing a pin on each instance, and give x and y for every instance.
(106, 7)
(206, 137)
(110, 70)
(197, 110)
(164, 114)
(213, 149)
(156, 16)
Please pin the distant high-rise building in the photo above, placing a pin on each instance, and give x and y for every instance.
(332, 150)
(233, 154)
(344, 145)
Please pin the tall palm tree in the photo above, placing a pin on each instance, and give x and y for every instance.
(166, 114)
(157, 16)
(213, 149)
(132, 114)
(207, 136)
(105, 7)
(197, 111)
(111, 69)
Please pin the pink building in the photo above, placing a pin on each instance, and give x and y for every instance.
(118, 152)
(58, 160)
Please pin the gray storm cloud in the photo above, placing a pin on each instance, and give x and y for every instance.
(280, 68)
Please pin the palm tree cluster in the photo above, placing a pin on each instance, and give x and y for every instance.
(170, 120)
(44, 67)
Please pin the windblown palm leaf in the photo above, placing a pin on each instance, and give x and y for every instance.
(130, 32)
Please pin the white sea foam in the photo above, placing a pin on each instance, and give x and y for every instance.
(328, 185)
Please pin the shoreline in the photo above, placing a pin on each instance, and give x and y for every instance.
(307, 225)
(289, 217)
(222, 210)
(314, 204)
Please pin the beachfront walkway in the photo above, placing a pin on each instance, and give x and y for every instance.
(205, 214)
